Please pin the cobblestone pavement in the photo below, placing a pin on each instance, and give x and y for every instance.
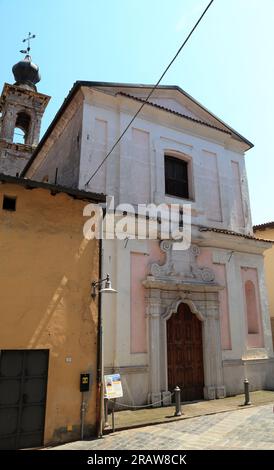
(249, 428)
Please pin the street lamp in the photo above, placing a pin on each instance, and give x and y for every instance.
(107, 289)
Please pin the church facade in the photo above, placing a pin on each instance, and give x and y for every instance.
(196, 318)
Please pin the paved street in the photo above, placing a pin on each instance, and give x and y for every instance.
(249, 428)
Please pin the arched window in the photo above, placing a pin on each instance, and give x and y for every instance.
(22, 126)
(251, 308)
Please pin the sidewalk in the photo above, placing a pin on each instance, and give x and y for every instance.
(147, 416)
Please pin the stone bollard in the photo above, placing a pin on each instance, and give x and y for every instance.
(177, 393)
(247, 398)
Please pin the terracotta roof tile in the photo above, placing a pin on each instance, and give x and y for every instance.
(263, 226)
(235, 234)
(163, 108)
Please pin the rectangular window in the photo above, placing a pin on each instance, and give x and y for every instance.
(9, 203)
(176, 177)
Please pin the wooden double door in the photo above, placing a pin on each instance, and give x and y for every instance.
(185, 354)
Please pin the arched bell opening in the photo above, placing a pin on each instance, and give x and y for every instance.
(22, 128)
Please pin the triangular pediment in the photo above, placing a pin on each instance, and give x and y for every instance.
(174, 105)
(174, 99)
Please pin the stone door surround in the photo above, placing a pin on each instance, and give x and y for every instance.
(178, 281)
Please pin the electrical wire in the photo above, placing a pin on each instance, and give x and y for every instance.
(150, 93)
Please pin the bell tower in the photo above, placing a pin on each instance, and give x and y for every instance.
(21, 111)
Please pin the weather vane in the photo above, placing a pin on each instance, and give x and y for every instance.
(26, 51)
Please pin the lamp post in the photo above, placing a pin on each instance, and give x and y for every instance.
(96, 289)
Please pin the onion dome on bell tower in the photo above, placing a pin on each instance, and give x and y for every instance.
(25, 72)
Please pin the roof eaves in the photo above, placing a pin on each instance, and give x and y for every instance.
(53, 188)
(263, 226)
(235, 234)
(250, 144)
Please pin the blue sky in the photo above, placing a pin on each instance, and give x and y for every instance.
(228, 65)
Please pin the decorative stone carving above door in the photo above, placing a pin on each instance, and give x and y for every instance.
(181, 265)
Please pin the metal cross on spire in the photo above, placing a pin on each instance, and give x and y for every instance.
(28, 38)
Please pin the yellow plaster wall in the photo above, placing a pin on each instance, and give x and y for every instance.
(45, 303)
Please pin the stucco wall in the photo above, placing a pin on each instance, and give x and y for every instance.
(45, 276)
(125, 321)
(268, 234)
(220, 271)
(64, 155)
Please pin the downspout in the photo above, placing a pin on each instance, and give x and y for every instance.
(100, 365)
(99, 352)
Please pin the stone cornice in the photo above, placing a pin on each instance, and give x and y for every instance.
(172, 285)
(16, 146)
(231, 242)
(10, 90)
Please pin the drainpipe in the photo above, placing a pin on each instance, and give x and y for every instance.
(83, 412)
(100, 371)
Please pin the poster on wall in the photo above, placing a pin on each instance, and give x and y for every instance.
(113, 386)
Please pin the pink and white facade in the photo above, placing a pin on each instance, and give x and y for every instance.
(220, 278)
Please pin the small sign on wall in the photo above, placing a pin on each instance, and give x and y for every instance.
(84, 382)
(113, 386)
